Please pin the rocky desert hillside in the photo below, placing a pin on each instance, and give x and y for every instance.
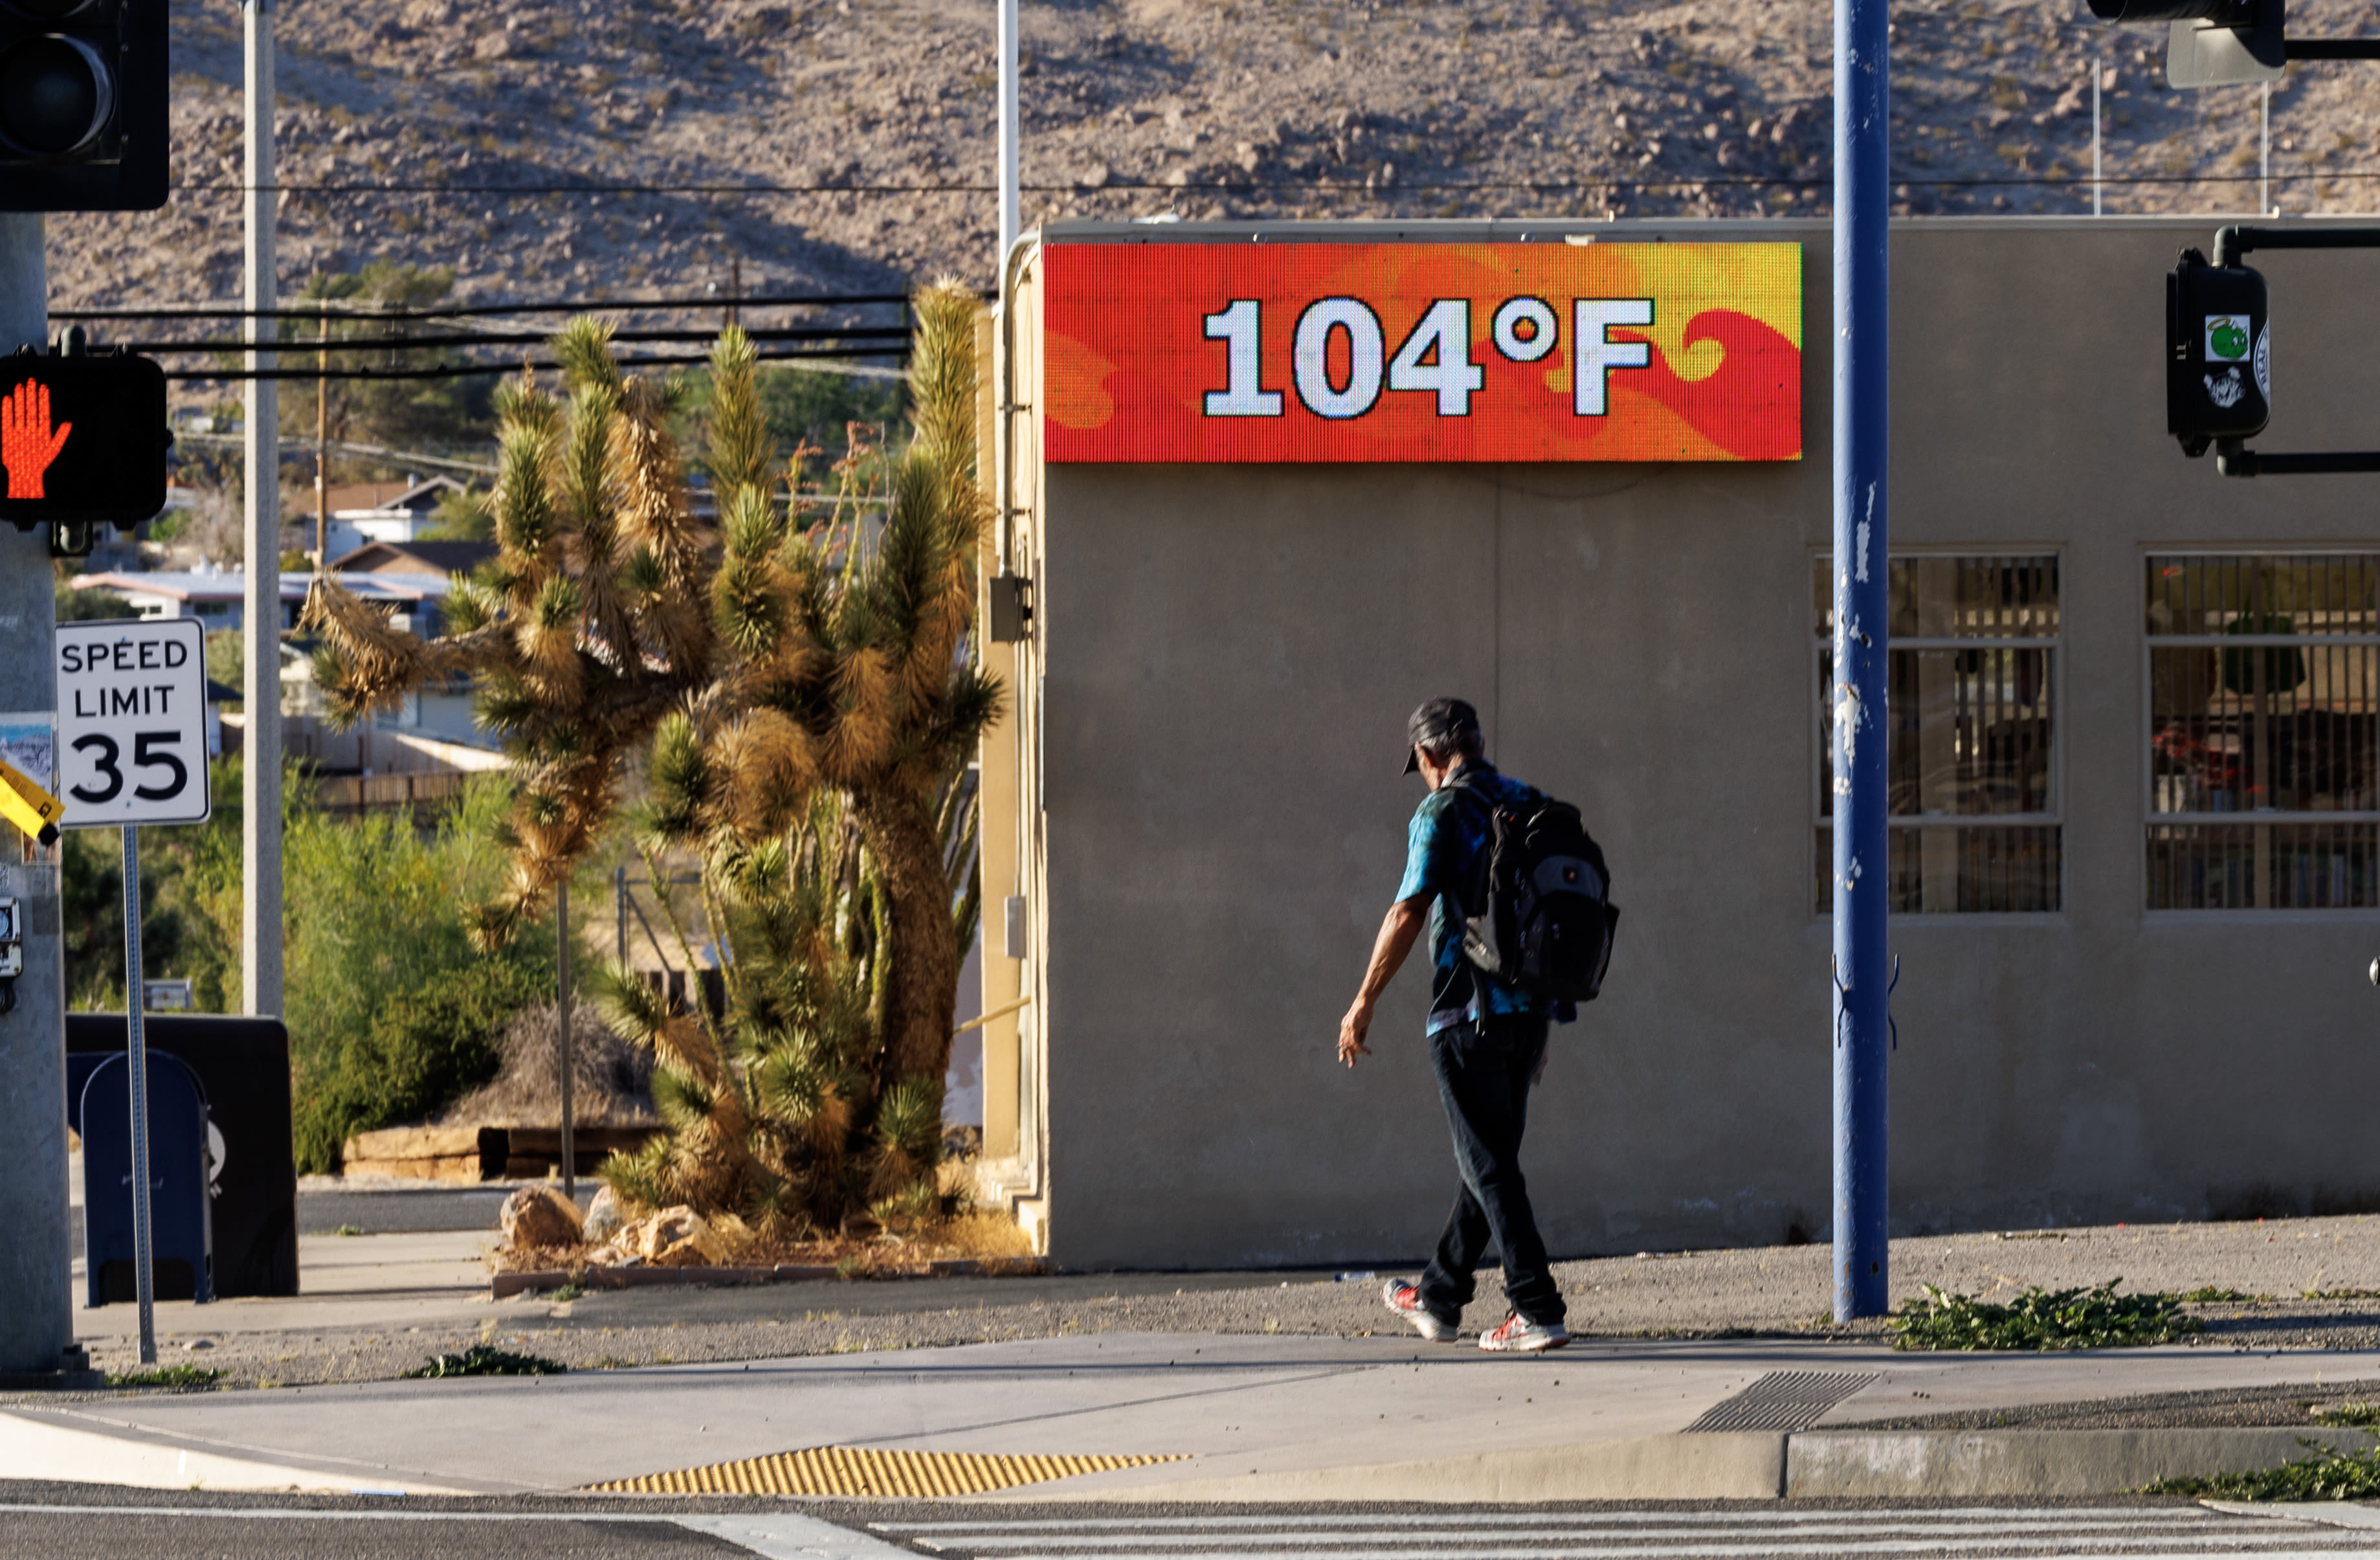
(847, 144)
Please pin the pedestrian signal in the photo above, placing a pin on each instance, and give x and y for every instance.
(2218, 353)
(81, 440)
(83, 106)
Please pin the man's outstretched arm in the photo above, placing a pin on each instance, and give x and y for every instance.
(1397, 930)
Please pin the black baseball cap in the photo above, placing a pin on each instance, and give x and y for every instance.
(1435, 722)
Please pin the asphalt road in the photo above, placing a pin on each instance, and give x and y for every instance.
(71, 1522)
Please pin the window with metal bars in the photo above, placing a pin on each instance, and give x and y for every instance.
(2261, 731)
(1973, 672)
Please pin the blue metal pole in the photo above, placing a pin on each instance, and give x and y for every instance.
(1863, 880)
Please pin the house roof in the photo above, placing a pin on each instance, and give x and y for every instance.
(231, 585)
(415, 557)
(413, 495)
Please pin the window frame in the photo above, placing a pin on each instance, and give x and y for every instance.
(2144, 754)
(2056, 818)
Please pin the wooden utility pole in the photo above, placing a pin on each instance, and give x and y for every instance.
(323, 442)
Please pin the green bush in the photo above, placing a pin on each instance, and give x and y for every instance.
(392, 1013)
(426, 1049)
(2324, 1475)
(486, 1360)
(2042, 1318)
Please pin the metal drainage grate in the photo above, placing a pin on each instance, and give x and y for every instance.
(1782, 1400)
(868, 1470)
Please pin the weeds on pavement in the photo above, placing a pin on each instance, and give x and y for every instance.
(486, 1360)
(2364, 1414)
(2043, 1319)
(2325, 1475)
(166, 1376)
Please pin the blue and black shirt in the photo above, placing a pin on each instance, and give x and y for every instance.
(1446, 846)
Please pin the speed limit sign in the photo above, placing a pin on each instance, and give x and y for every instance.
(132, 723)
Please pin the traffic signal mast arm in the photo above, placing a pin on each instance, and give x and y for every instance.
(2218, 357)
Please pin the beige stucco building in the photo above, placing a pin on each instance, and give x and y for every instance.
(2137, 856)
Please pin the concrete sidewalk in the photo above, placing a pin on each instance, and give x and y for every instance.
(1260, 1385)
(1249, 1418)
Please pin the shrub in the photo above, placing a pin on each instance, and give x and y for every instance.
(2042, 1318)
(2326, 1474)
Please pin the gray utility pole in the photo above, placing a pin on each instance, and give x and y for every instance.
(1011, 218)
(36, 1293)
(260, 790)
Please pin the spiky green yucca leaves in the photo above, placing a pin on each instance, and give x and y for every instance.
(800, 703)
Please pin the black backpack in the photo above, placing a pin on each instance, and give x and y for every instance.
(1540, 914)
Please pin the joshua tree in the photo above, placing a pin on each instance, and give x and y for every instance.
(801, 702)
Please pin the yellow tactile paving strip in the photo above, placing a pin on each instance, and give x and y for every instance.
(868, 1470)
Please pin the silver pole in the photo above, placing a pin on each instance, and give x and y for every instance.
(2098, 70)
(562, 1038)
(36, 1257)
(2265, 160)
(1010, 222)
(135, 1056)
(260, 897)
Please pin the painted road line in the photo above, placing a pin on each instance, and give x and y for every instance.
(2235, 1544)
(1643, 1518)
(773, 1536)
(1454, 1534)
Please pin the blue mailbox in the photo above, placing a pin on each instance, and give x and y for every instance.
(181, 1223)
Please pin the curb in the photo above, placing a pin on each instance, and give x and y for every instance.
(503, 1285)
(1807, 1464)
(36, 1448)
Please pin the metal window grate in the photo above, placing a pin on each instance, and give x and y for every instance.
(2264, 731)
(1782, 1400)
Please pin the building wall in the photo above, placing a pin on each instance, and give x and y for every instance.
(1229, 655)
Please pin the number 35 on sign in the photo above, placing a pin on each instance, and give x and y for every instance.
(132, 713)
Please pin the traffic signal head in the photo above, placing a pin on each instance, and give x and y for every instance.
(83, 106)
(2218, 353)
(83, 440)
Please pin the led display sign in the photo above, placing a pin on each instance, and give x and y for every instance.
(1423, 352)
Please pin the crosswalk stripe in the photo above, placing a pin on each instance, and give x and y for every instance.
(2054, 1549)
(1907, 1529)
(2191, 1515)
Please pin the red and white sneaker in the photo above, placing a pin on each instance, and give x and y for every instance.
(1521, 1335)
(1405, 1300)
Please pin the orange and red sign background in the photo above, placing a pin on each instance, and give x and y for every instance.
(1129, 364)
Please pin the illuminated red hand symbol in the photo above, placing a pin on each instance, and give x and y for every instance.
(27, 445)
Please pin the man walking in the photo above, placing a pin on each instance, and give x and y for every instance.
(1487, 1041)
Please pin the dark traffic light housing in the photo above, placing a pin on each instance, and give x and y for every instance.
(2218, 380)
(83, 106)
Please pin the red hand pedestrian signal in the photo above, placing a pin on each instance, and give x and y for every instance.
(27, 443)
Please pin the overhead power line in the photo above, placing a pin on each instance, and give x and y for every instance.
(293, 447)
(503, 338)
(343, 310)
(818, 361)
(1253, 186)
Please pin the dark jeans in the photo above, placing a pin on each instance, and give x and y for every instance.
(1483, 1073)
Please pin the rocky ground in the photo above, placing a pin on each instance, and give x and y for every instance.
(494, 138)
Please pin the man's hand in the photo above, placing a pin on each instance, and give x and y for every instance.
(1402, 924)
(1352, 1030)
(27, 445)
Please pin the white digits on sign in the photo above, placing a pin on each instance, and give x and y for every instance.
(1237, 325)
(1593, 355)
(1535, 312)
(1310, 357)
(1454, 376)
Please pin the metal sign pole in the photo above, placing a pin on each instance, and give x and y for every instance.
(1862, 564)
(135, 1056)
(562, 1037)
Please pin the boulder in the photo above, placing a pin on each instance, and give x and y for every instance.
(603, 1219)
(679, 1237)
(537, 1216)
